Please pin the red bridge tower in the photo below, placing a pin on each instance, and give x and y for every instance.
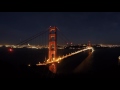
(52, 43)
(89, 44)
(52, 48)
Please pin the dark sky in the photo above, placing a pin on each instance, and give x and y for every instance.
(79, 27)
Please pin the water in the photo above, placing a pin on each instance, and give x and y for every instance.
(103, 61)
(26, 56)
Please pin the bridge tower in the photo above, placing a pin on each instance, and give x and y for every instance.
(89, 44)
(52, 43)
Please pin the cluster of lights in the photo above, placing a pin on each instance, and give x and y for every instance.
(59, 59)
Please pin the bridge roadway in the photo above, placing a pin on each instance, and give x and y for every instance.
(63, 57)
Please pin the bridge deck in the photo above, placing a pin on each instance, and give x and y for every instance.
(61, 58)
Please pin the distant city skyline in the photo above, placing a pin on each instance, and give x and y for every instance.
(79, 27)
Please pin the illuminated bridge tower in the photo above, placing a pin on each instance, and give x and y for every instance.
(89, 45)
(52, 43)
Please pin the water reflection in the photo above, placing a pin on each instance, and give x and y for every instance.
(53, 67)
(85, 65)
(82, 67)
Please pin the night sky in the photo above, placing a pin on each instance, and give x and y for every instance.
(79, 27)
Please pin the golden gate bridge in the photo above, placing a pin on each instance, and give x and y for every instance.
(52, 58)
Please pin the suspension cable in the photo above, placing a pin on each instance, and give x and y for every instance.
(64, 35)
(32, 37)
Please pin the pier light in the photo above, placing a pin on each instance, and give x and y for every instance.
(29, 65)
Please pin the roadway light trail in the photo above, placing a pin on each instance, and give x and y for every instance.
(63, 57)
